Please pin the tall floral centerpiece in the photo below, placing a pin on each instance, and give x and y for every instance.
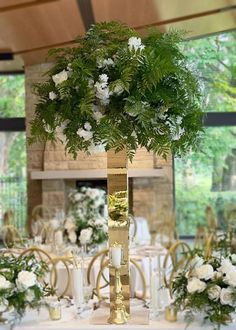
(86, 220)
(117, 92)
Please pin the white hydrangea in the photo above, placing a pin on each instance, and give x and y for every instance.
(4, 283)
(60, 77)
(135, 43)
(52, 96)
(85, 235)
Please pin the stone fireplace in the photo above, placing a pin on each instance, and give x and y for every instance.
(52, 172)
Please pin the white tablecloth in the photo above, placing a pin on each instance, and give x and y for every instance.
(33, 321)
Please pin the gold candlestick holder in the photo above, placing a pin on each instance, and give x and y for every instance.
(171, 314)
(118, 313)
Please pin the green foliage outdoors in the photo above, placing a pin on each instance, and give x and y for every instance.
(150, 99)
(13, 149)
(206, 177)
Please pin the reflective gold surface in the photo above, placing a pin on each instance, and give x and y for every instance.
(118, 223)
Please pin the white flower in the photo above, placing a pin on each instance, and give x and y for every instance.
(205, 272)
(233, 258)
(179, 120)
(69, 68)
(47, 127)
(86, 135)
(4, 283)
(96, 148)
(104, 63)
(214, 292)
(25, 280)
(103, 78)
(135, 43)
(78, 196)
(60, 77)
(118, 89)
(226, 296)
(196, 261)
(230, 277)
(226, 266)
(30, 296)
(97, 115)
(85, 235)
(90, 82)
(87, 126)
(195, 285)
(72, 236)
(3, 305)
(177, 135)
(52, 96)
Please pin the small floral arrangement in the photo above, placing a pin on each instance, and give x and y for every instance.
(19, 283)
(86, 220)
(116, 90)
(207, 286)
(118, 205)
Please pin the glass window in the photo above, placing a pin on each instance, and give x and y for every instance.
(12, 96)
(12, 151)
(206, 178)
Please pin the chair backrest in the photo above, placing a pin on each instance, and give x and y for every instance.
(177, 257)
(200, 237)
(11, 236)
(211, 218)
(102, 281)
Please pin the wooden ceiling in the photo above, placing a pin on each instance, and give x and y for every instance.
(28, 28)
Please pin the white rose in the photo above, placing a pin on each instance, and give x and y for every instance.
(195, 285)
(230, 277)
(3, 305)
(226, 296)
(72, 236)
(214, 292)
(25, 280)
(30, 296)
(225, 267)
(52, 96)
(196, 262)
(205, 272)
(4, 283)
(86, 135)
(85, 235)
(60, 77)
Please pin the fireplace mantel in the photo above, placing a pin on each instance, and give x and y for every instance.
(93, 174)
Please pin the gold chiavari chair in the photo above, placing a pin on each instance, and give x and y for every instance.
(167, 234)
(211, 219)
(63, 265)
(200, 237)
(177, 257)
(11, 236)
(39, 254)
(40, 215)
(102, 282)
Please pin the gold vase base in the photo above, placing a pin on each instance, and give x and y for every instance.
(118, 316)
(3, 320)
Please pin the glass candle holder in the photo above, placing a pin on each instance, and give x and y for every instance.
(171, 314)
(54, 310)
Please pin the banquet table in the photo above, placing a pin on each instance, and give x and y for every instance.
(34, 320)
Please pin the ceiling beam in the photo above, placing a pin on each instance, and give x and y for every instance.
(187, 17)
(24, 5)
(86, 12)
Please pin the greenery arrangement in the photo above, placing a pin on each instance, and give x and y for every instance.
(86, 220)
(207, 286)
(19, 283)
(115, 90)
